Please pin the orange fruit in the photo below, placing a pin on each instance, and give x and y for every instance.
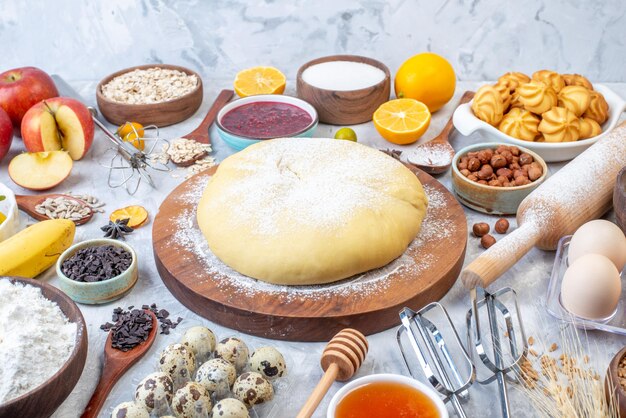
(259, 80)
(137, 215)
(132, 132)
(402, 121)
(428, 78)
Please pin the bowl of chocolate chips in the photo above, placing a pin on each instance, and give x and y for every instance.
(97, 271)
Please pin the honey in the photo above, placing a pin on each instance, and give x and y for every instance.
(386, 400)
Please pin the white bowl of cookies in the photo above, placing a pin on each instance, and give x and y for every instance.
(558, 116)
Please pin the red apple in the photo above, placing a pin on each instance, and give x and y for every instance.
(21, 88)
(6, 133)
(58, 123)
(40, 170)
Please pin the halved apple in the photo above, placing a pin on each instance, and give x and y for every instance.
(58, 123)
(40, 170)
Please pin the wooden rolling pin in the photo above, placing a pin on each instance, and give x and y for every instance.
(579, 192)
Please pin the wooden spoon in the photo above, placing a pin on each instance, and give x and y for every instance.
(201, 133)
(341, 358)
(116, 363)
(28, 204)
(435, 156)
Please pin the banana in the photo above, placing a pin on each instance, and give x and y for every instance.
(34, 249)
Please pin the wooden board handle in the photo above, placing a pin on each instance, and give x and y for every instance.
(500, 257)
(108, 379)
(319, 392)
(445, 133)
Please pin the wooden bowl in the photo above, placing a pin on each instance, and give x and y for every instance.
(348, 107)
(159, 114)
(612, 386)
(43, 400)
(490, 199)
(619, 199)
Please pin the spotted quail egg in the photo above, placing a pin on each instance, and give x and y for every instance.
(129, 410)
(252, 388)
(178, 362)
(217, 375)
(201, 340)
(230, 408)
(155, 392)
(191, 401)
(234, 351)
(269, 362)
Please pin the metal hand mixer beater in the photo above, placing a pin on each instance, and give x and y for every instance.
(129, 165)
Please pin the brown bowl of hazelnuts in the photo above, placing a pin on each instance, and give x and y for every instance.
(494, 178)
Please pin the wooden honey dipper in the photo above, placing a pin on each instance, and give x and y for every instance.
(341, 358)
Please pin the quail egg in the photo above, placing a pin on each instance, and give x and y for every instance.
(217, 375)
(269, 362)
(191, 401)
(201, 340)
(178, 362)
(230, 408)
(252, 388)
(234, 351)
(129, 410)
(155, 392)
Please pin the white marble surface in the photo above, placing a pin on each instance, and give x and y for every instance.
(481, 38)
(529, 277)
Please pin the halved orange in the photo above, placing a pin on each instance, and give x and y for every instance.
(259, 80)
(137, 215)
(402, 121)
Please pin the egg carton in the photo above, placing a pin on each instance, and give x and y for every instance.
(615, 323)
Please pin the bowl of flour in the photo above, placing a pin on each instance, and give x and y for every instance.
(43, 347)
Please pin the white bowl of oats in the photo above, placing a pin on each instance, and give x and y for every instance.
(152, 94)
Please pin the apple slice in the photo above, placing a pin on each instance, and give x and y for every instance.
(40, 170)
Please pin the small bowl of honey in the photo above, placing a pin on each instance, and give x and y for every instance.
(386, 396)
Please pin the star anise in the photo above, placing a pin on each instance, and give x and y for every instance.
(117, 229)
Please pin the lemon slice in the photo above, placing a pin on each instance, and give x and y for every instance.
(259, 80)
(402, 121)
(3, 218)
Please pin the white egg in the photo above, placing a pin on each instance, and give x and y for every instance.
(599, 237)
(591, 287)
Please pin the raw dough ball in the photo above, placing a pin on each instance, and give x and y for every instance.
(293, 211)
(252, 388)
(269, 362)
(230, 408)
(192, 401)
(201, 340)
(234, 351)
(599, 237)
(217, 375)
(178, 362)
(591, 287)
(129, 410)
(155, 392)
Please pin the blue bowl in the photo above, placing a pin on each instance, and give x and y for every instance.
(240, 142)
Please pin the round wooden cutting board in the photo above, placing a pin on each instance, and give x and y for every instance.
(308, 313)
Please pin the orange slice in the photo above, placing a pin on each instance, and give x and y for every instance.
(132, 132)
(259, 80)
(137, 215)
(402, 121)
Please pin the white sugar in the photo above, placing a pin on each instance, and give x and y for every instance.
(436, 155)
(342, 75)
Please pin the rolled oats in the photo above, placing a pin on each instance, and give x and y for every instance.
(152, 85)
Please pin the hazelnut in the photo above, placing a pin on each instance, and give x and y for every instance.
(465, 172)
(514, 166)
(495, 183)
(521, 181)
(482, 157)
(498, 161)
(501, 148)
(518, 173)
(525, 158)
(504, 172)
(487, 241)
(507, 154)
(514, 159)
(537, 165)
(485, 172)
(473, 177)
(515, 151)
(489, 153)
(482, 182)
(463, 163)
(480, 229)
(502, 225)
(534, 173)
(473, 164)
(472, 154)
(503, 180)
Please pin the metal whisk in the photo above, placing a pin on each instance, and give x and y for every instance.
(128, 165)
(502, 350)
(448, 368)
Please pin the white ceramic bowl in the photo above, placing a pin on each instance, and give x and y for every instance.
(466, 123)
(384, 377)
(11, 224)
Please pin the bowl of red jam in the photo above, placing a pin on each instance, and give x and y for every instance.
(249, 120)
